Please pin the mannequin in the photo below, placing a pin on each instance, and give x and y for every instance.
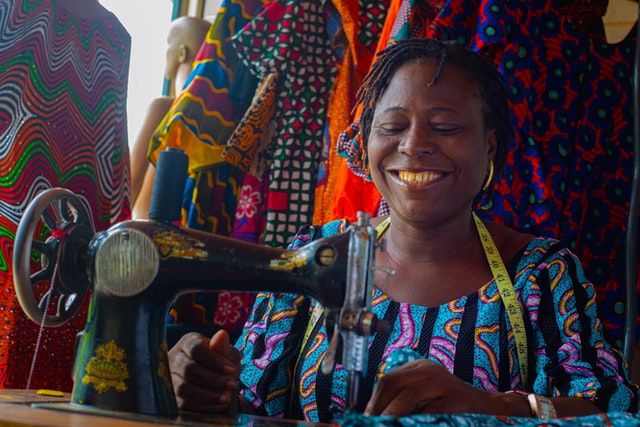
(185, 36)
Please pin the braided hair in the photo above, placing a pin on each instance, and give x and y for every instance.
(489, 84)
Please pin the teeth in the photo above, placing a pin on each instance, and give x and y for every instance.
(419, 178)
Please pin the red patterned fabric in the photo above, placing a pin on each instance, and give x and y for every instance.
(289, 37)
(63, 94)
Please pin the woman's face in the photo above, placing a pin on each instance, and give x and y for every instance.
(428, 148)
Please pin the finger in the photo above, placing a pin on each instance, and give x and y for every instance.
(188, 340)
(191, 397)
(382, 395)
(193, 345)
(197, 347)
(220, 343)
(181, 354)
(210, 374)
(402, 404)
(387, 388)
(391, 390)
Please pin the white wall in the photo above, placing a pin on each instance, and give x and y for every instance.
(148, 23)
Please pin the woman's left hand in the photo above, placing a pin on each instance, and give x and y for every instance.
(423, 386)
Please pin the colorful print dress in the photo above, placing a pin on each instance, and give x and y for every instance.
(63, 91)
(567, 353)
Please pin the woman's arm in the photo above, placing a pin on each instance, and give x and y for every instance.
(572, 357)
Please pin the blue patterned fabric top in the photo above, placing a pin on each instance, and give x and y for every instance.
(470, 336)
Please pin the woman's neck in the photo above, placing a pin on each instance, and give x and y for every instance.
(433, 265)
(422, 244)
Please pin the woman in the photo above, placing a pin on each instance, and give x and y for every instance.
(436, 126)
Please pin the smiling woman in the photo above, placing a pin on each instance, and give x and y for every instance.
(483, 319)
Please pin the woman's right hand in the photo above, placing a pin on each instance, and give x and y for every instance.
(205, 373)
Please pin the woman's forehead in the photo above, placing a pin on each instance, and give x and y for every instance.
(429, 75)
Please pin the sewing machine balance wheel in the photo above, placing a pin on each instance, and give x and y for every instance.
(58, 286)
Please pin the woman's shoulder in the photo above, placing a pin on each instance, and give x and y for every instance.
(513, 244)
(541, 253)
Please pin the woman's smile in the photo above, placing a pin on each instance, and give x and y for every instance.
(416, 179)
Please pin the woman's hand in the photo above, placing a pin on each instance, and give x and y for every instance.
(205, 373)
(423, 386)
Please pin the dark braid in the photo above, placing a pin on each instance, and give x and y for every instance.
(489, 83)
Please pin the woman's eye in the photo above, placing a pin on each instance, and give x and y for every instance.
(446, 128)
(389, 128)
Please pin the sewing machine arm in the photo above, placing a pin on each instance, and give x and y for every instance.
(136, 268)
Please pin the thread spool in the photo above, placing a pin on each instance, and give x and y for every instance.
(168, 185)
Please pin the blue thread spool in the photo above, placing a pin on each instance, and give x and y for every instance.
(168, 185)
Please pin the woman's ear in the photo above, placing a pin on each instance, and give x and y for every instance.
(182, 53)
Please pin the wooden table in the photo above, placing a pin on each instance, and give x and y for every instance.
(20, 409)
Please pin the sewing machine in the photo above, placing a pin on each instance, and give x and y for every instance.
(136, 268)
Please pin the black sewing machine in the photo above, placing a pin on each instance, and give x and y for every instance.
(136, 268)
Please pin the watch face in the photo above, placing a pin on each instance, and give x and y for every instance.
(547, 410)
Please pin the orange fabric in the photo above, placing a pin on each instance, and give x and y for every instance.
(356, 195)
(392, 14)
(339, 111)
(339, 119)
(350, 193)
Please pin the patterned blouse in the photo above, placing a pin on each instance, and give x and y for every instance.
(567, 353)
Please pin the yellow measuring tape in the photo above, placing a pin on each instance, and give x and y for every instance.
(505, 288)
(507, 293)
(509, 298)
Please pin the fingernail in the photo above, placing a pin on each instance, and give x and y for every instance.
(229, 369)
(225, 398)
(232, 384)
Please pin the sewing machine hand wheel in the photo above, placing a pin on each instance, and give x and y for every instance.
(63, 254)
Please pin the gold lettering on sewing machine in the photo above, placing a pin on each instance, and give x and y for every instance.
(171, 244)
(288, 261)
(107, 369)
(163, 366)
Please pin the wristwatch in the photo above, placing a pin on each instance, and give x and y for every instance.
(541, 407)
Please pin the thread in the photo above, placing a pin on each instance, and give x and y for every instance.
(168, 185)
(60, 234)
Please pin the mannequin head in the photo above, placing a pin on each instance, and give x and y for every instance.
(186, 34)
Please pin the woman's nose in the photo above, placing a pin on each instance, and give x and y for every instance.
(417, 142)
